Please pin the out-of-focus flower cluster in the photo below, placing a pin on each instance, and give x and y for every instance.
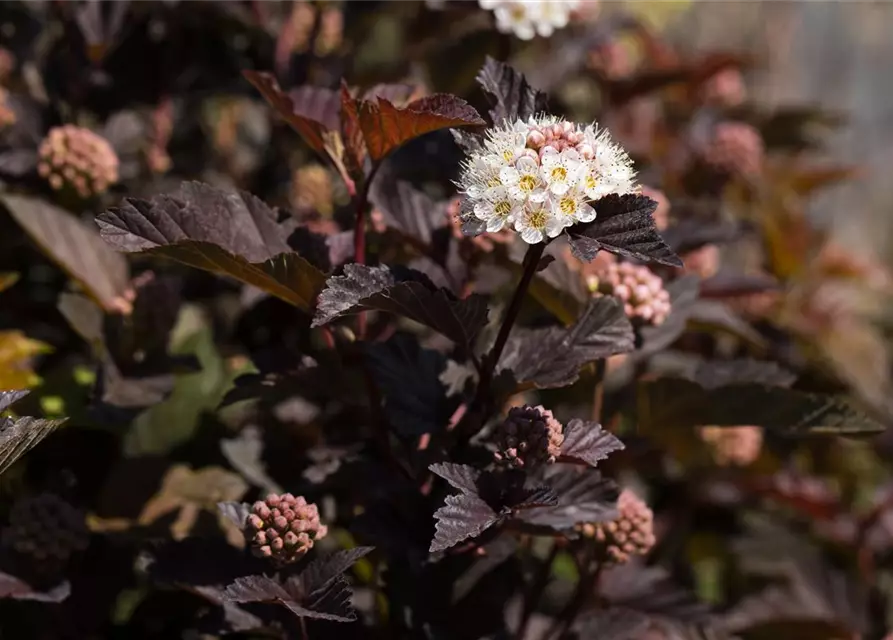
(77, 158)
(642, 292)
(733, 446)
(529, 437)
(283, 527)
(632, 533)
(528, 18)
(46, 529)
(7, 115)
(539, 176)
(735, 148)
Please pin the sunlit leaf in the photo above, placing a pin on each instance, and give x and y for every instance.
(19, 435)
(386, 127)
(75, 247)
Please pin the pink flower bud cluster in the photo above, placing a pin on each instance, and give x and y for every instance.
(528, 438)
(559, 136)
(75, 157)
(46, 529)
(736, 148)
(733, 446)
(7, 115)
(642, 292)
(283, 527)
(632, 533)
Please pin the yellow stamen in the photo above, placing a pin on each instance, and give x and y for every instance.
(503, 208)
(568, 206)
(559, 174)
(537, 219)
(527, 183)
(494, 182)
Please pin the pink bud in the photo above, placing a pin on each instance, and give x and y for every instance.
(260, 538)
(585, 150)
(281, 522)
(273, 500)
(535, 139)
(277, 544)
(255, 522)
(290, 538)
(622, 291)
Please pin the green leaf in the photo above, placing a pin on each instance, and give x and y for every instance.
(174, 421)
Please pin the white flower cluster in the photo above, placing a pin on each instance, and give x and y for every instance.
(529, 18)
(539, 176)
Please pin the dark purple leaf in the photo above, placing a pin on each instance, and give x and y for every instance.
(715, 316)
(691, 234)
(20, 435)
(677, 403)
(415, 297)
(227, 233)
(624, 225)
(510, 93)
(320, 573)
(583, 496)
(408, 376)
(538, 496)
(75, 247)
(683, 296)
(8, 398)
(553, 357)
(651, 591)
(495, 553)
(333, 603)
(730, 285)
(588, 442)
(237, 222)
(720, 373)
(320, 591)
(462, 517)
(613, 624)
(16, 589)
(461, 476)
(407, 209)
(18, 162)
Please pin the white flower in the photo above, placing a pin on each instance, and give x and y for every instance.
(541, 176)
(490, 4)
(498, 209)
(515, 17)
(523, 180)
(560, 170)
(549, 16)
(481, 176)
(571, 207)
(608, 167)
(536, 223)
(508, 142)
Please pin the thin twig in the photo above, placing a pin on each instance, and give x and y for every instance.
(482, 396)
